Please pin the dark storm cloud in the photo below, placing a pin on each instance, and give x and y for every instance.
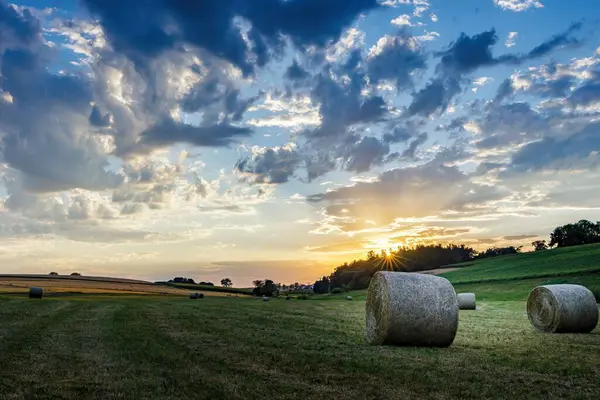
(144, 29)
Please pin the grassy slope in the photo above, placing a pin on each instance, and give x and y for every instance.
(556, 262)
(168, 348)
(511, 278)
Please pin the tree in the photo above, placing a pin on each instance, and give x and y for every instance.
(75, 274)
(322, 286)
(264, 288)
(581, 232)
(371, 255)
(539, 245)
(53, 273)
(226, 282)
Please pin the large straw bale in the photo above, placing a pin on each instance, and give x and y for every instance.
(408, 309)
(466, 301)
(563, 308)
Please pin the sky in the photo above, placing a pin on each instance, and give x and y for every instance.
(256, 139)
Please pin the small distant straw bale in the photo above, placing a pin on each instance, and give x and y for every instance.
(563, 308)
(348, 297)
(409, 309)
(265, 298)
(466, 301)
(36, 293)
(194, 296)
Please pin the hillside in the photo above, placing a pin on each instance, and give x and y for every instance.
(574, 260)
(511, 277)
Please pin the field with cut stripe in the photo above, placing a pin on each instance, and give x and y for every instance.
(89, 340)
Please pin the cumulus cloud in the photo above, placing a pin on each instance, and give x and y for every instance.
(579, 150)
(167, 25)
(468, 54)
(438, 188)
(518, 5)
(270, 165)
(511, 39)
(395, 59)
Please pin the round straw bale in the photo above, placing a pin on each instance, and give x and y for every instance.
(194, 296)
(466, 301)
(288, 298)
(408, 309)
(348, 297)
(36, 293)
(200, 295)
(265, 298)
(564, 308)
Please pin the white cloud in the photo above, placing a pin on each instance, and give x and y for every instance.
(434, 17)
(518, 5)
(479, 82)
(511, 39)
(427, 37)
(353, 39)
(402, 20)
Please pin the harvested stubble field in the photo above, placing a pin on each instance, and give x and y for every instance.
(152, 347)
(84, 285)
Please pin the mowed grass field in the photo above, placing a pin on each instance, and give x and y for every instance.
(100, 346)
(234, 348)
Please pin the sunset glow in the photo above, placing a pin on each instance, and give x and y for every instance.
(253, 147)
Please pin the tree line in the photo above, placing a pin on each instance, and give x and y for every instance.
(357, 274)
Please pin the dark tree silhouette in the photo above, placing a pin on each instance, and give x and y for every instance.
(226, 282)
(581, 232)
(539, 245)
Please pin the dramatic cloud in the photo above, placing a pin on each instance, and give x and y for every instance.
(270, 165)
(171, 132)
(395, 59)
(577, 151)
(45, 121)
(466, 55)
(404, 193)
(163, 25)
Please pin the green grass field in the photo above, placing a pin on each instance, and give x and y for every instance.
(557, 262)
(170, 347)
(234, 348)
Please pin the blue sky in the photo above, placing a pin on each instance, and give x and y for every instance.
(270, 139)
